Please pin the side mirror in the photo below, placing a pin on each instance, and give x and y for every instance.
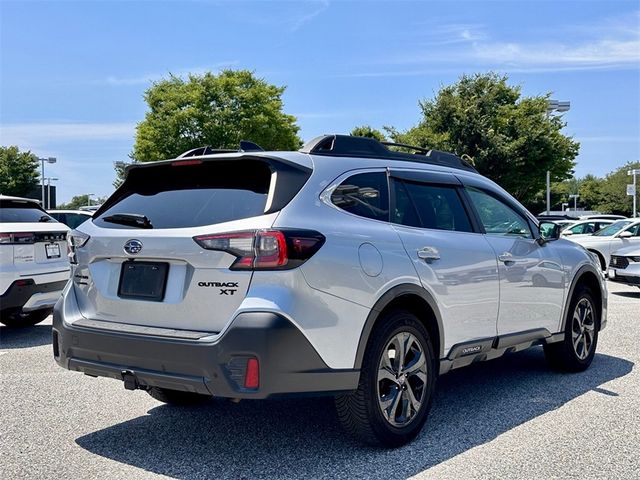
(625, 234)
(568, 232)
(549, 231)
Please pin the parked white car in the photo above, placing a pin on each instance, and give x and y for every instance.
(620, 234)
(583, 228)
(624, 266)
(34, 267)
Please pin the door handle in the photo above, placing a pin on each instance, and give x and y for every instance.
(428, 253)
(508, 259)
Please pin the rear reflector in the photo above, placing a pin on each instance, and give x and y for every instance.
(265, 249)
(252, 374)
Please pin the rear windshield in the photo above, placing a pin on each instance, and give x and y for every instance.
(12, 211)
(191, 195)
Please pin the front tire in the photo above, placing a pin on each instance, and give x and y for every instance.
(18, 318)
(575, 353)
(177, 397)
(396, 384)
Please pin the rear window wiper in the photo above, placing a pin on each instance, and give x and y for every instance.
(131, 219)
(44, 218)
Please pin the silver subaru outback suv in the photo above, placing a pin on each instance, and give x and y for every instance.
(344, 269)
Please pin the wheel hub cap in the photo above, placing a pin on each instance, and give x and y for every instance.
(402, 379)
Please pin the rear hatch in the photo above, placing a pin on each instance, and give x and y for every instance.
(166, 249)
(30, 239)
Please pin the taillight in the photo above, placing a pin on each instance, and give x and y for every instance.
(21, 238)
(265, 249)
(75, 239)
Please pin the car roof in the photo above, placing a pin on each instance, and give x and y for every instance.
(22, 199)
(81, 212)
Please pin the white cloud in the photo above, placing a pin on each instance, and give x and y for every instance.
(297, 23)
(154, 77)
(611, 44)
(36, 134)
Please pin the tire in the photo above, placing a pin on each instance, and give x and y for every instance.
(18, 318)
(177, 397)
(575, 353)
(361, 412)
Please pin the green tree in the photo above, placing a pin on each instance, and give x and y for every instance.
(509, 138)
(369, 132)
(80, 201)
(614, 198)
(590, 191)
(18, 172)
(215, 110)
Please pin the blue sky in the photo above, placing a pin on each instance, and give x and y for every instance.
(73, 73)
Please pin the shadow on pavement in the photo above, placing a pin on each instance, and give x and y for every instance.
(635, 294)
(302, 438)
(25, 337)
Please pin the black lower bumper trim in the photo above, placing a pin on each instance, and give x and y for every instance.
(20, 291)
(628, 279)
(288, 362)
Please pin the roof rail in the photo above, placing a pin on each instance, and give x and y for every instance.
(351, 146)
(245, 146)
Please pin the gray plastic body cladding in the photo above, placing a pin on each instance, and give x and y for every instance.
(288, 363)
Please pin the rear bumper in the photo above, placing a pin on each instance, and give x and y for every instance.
(28, 296)
(189, 361)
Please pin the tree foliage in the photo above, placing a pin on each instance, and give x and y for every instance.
(80, 201)
(612, 191)
(508, 137)
(215, 110)
(18, 172)
(369, 132)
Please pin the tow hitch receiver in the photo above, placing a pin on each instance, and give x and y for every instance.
(130, 381)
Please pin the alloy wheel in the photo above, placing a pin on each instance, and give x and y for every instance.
(583, 328)
(402, 378)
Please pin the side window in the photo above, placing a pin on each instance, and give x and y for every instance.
(635, 230)
(429, 206)
(497, 217)
(365, 195)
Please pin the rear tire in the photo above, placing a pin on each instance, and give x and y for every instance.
(177, 397)
(396, 384)
(575, 353)
(18, 318)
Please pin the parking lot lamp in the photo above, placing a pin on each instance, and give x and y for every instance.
(634, 172)
(554, 106)
(48, 160)
(575, 201)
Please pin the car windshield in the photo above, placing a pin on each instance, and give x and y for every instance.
(612, 229)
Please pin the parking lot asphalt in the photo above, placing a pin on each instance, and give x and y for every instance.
(508, 418)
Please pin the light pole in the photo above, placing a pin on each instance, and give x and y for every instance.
(89, 199)
(48, 160)
(49, 180)
(634, 172)
(554, 106)
(575, 201)
(564, 204)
